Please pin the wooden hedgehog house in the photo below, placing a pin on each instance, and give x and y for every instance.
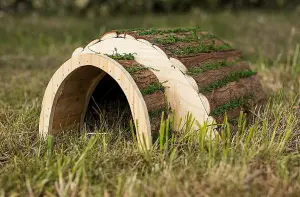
(186, 70)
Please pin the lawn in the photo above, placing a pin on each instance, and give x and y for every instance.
(262, 159)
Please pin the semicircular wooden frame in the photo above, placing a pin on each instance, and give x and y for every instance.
(55, 90)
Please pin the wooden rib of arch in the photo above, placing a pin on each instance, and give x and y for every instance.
(69, 90)
(155, 100)
(201, 74)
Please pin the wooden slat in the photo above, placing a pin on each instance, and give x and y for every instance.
(63, 123)
(69, 106)
(73, 88)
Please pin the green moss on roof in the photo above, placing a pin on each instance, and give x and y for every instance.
(188, 38)
(235, 76)
(138, 67)
(151, 31)
(164, 31)
(153, 87)
(135, 68)
(208, 66)
(124, 56)
(239, 102)
(202, 48)
(173, 39)
(223, 47)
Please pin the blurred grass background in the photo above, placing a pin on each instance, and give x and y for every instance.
(106, 7)
(36, 37)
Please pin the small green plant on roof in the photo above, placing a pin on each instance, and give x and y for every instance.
(165, 31)
(173, 39)
(202, 48)
(138, 67)
(195, 49)
(239, 102)
(124, 56)
(208, 66)
(168, 40)
(153, 87)
(135, 68)
(224, 47)
(235, 76)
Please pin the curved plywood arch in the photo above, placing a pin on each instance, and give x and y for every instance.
(61, 108)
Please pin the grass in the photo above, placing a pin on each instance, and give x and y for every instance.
(235, 76)
(223, 47)
(173, 39)
(240, 102)
(261, 160)
(152, 88)
(194, 38)
(202, 48)
(151, 31)
(138, 67)
(125, 56)
(208, 66)
(135, 68)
